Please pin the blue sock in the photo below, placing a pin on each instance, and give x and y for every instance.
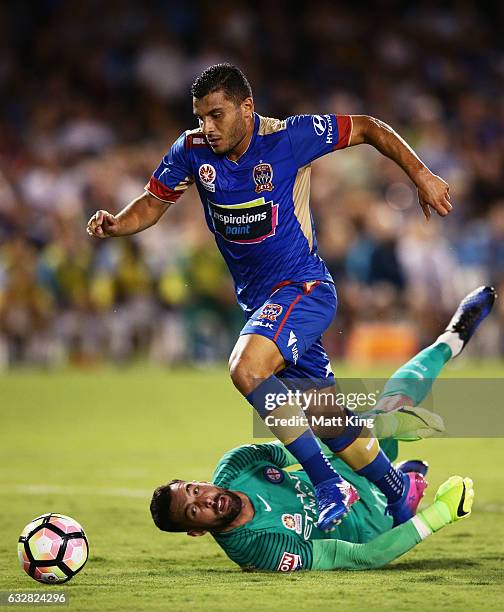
(349, 435)
(307, 451)
(306, 447)
(384, 475)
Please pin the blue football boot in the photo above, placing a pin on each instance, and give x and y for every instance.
(470, 313)
(334, 500)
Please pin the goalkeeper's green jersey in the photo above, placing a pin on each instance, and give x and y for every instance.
(282, 535)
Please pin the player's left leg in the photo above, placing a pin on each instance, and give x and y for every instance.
(360, 449)
(348, 438)
(397, 413)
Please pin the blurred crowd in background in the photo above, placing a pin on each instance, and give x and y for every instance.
(94, 93)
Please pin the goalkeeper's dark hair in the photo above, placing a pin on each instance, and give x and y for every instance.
(222, 77)
(160, 508)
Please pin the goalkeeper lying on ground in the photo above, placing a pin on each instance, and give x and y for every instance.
(264, 517)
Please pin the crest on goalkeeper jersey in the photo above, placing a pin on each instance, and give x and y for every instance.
(273, 474)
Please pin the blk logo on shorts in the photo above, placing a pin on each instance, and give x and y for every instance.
(292, 339)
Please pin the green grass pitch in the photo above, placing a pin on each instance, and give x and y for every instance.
(94, 444)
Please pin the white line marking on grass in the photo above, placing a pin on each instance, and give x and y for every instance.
(44, 489)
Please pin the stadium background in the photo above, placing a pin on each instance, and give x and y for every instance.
(94, 93)
(108, 402)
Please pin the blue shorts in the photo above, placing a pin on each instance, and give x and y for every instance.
(295, 316)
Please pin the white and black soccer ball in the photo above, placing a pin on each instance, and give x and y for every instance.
(53, 548)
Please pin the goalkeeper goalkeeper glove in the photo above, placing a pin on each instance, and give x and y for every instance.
(453, 502)
(406, 423)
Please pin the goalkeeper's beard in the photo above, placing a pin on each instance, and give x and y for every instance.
(235, 507)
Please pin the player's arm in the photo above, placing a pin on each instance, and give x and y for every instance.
(269, 550)
(281, 552)
(168, 182)
(338, 554)
(141, 213)
(453, 502)
(433, 192)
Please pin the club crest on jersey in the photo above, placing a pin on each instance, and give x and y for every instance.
(271, 312)
(263, 176)
(207, 176)
(273, 474)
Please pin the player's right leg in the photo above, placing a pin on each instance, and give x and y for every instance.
(412, 382)
(277, 334)
(253, 364)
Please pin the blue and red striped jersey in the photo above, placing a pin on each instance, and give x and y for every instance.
(258, 206)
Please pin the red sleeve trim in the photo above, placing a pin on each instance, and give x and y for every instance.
(344, 131)
(161, 191)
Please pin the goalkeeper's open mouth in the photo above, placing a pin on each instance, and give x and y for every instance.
(228, 505)
(223, 503)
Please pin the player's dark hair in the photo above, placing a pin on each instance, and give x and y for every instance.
(222, 77)
(160, 508)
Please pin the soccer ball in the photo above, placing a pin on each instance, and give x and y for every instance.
(53, 548)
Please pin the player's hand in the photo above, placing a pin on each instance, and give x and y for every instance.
(103, 225)
(457, 494)
(453, 502)
(433, 193)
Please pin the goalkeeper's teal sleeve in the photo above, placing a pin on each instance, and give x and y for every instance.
(338, 554)
(237, 461)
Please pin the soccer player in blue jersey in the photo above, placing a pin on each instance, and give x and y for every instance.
(253, 177)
